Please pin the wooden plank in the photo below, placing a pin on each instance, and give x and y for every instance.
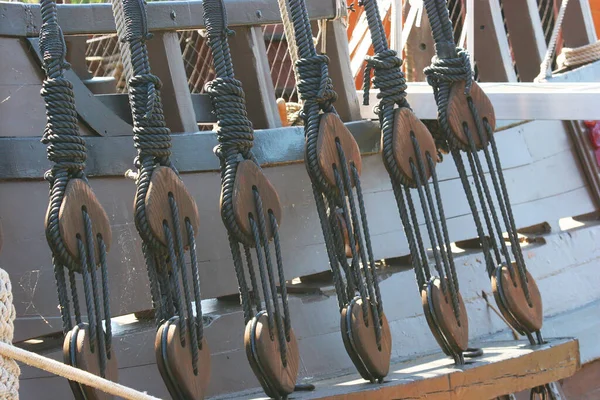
(560, 191)
(252, 68)
(347, 104)
(578, 25)
(527, 37)
(23, 19)
(166, 61)
(420, 48)
(25, 158)
(513, 101)
(492, 52)
(506, 367)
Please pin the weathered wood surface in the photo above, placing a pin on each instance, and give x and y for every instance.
(505, 367)
(543, 179)
(24, 19)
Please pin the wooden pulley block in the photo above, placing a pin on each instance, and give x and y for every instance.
(264, 356)
(459, 113)
(174, 361)
(406, 124)
(77, 353)
(247, 178)
(339, 215)
(332, 130)
(372, 362)
(79, 196)
(451, 334)
(163, 184)
(512, 302)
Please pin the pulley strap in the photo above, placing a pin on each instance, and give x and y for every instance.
(77, 227)
(166, 214)
(251, 212)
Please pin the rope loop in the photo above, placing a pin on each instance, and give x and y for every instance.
(450, 70)
(315, 85)
(234, 129)
(389, 79)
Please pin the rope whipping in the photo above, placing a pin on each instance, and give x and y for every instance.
(390, 81)
(67, 152)
(171, 291)
(451, 65)
(335, 201)
(235, 136)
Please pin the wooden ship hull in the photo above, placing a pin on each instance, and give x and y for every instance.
(551, 177)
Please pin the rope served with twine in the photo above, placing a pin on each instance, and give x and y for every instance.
(9, 369)
(575, 57)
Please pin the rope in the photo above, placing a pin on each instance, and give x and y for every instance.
(9, 370)
(390, 80)
(570, 58)
(171, 292)
(236, 137)
(545, 67)
(67, 152)
(315, 88)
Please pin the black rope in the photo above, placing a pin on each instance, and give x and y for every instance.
(172, 294)
(236, 136)
(390, 81)
(335, 199)
(67, 153)
(452, 65)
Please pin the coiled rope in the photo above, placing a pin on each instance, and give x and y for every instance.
(67, 152)
(391, 83)
(316, 90)
(166, 265)
(236, 137)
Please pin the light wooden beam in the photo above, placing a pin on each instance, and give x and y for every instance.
(505, 367)
(544, 101)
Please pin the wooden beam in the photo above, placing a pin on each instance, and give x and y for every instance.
(505, 367)
(420, 48)
(24, 19)
(527, 37)
(578, 25)
(252, 68)
(347, 104)
(524, 101)
(492, 52)
(166, 61)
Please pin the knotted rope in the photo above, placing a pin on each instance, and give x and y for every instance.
(391, 83)
(67, 152)
(166, 264)
(316, 91)
(236, 136)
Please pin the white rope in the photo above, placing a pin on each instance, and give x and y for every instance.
(570, 58)
(72, 374)
(545, 71)
(288, 30)
(9, 369)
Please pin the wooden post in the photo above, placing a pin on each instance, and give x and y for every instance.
(167, 63)
(420, 48)
(252, 68)
(347, 104)
(578, 25)
(528, 45)
(492, 53)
